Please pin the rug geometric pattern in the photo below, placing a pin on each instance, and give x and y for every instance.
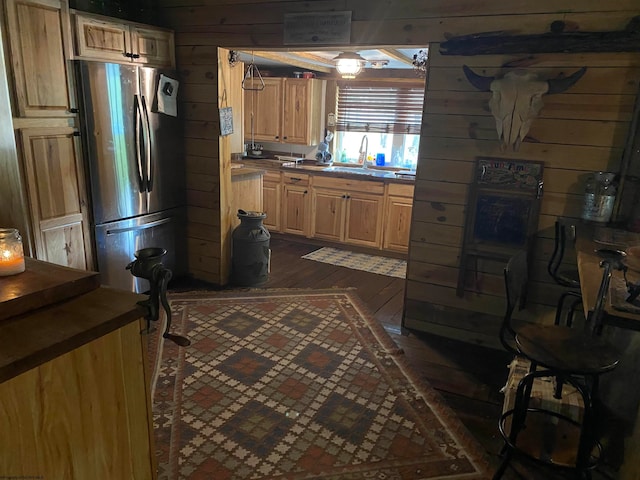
(296, 385)
(392, 267)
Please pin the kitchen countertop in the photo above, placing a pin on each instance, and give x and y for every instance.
(244, 173)
(54, 310)
(311, 167)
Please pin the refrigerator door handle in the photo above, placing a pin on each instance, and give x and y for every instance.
(117, 231)
(147, 146)
(137, 123)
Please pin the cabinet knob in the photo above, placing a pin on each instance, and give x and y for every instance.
(135, 55)
(305, 192)
(128, 54)
(73, 110)
(277, 137)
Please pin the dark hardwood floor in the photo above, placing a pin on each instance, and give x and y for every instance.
(469, 377)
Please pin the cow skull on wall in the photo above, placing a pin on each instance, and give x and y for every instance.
(517, 99)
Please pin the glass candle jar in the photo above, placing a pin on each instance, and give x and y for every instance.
(11, 252)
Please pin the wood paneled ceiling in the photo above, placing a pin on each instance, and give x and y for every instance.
(322, 61)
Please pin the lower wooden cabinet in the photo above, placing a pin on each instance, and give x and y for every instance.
(272, 200)
(85, 414)
(348, 211)
(296, 203)
(397, 217)
(57, 196)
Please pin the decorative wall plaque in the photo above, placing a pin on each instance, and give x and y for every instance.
(330, 28)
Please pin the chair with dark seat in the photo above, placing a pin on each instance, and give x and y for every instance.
(565, 276)
(572, 356)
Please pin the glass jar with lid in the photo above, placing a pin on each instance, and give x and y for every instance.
(599, 197)
(11, 252)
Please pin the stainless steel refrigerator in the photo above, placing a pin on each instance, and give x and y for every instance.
(136, 169)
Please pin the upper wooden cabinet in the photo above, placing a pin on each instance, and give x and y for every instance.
(288, 110)
(39, 35)
(263, 112)
(103, 38)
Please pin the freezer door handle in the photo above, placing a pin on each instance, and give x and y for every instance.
(147, 145)
(117, 231)
(137, 124)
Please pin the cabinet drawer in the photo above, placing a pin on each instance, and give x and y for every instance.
(349, 185)
(294, 178)
(271, 177)
(401, 190)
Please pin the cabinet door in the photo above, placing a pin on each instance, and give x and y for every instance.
(296, 116)
(102, 40)
(397, 223)
(57, 196)
(38, 34)
(363, 223)
(67, 417)
(295, 209)
(152, 47)
(327, 214)
(263, 112)
(271, 201)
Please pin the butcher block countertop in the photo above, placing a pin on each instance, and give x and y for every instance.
(54, 310)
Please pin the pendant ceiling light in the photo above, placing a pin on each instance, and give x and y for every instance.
(349, 64)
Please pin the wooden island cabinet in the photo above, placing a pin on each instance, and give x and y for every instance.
(74, 381)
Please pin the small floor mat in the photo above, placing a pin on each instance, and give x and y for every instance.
(392, 267)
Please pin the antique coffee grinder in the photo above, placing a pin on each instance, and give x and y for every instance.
(148, 265)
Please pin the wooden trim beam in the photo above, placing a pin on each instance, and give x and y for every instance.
(288, 59)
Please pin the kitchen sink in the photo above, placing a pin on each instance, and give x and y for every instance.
(361, 171)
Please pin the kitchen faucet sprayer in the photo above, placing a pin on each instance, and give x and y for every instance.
(364, 143)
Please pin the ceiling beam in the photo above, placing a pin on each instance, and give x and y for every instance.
(288, 59)
(397, 55)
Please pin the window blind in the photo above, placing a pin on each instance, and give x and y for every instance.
(383, 109)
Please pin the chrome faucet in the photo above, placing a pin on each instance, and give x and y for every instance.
(364, 147)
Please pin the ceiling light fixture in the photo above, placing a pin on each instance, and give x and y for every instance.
(349, 64)
(420, 63)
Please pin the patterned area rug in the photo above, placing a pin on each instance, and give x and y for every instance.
(391, 267)
(297, 384)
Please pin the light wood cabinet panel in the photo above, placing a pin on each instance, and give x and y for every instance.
(296, 209)
(397, 223)
(300, 111)
(57, 196)
(38, 37)
(328, 214)
(263, 110)
(272, 201)
(348, 215)
(363, 223)
(85, 414)
(288, 110)
(153, 47)
(102, 38)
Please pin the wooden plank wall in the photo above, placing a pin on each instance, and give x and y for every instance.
(577, 132)
(582, 130)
